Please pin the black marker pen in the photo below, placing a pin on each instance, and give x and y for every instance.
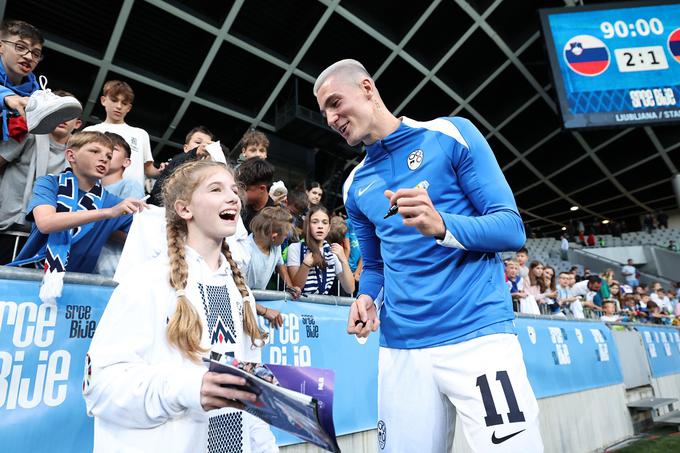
(394, 208)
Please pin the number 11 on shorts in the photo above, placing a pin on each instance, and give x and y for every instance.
(492, 417)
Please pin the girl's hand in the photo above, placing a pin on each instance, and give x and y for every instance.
(274, 317)
(215, 396)
(308, 259)
(338, 251)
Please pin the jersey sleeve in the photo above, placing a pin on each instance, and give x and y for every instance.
(44, 193)
(498, 227)
(124, 387)
(372, 278)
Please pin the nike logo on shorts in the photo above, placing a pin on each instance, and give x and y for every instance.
(497, 440)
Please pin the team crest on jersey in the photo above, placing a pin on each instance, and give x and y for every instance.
(415, 159)
(382, 434)
(221, 334)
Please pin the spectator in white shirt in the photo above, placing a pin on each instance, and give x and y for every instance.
(630, 273)
(564, 248)
(609, 308)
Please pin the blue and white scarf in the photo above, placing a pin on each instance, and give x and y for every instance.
(58, 247)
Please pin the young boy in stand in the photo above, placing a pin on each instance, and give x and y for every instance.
(21, 163)
(26, 105)
(121, 187)
(114, 181)
(269, 229)
(73, 214)
(117, 100)
(253, 144)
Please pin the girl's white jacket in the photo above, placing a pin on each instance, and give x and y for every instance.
(143, 393)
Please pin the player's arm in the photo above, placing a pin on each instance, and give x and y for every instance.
(372, 278)
(499, 226)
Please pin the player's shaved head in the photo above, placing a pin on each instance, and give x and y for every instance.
(348, 70)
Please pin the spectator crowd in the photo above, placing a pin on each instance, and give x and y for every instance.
(68, 198)
(536, 289)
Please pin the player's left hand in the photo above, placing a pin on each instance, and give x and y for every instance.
(416, 207)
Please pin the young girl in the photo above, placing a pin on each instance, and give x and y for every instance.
(144, 380)
(269, 229)
(535, 288)
(314, 264)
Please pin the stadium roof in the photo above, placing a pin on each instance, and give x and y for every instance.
(232, 65)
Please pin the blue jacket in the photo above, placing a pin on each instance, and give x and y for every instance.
(436, 292)
(7, 88)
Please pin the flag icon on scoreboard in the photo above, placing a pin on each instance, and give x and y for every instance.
(586, 55)
(674, 44)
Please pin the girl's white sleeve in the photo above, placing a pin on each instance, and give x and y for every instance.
(121, 385)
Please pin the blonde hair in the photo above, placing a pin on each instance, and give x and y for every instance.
(184, 327)
(271, 220)
(81, 139)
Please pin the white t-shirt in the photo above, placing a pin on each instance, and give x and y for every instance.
(261, 266)
(610, 318)
(140, 147)
(564, 244)
(629, 270)
(581, 289)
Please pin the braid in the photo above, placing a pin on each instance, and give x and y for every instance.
(184, 327)
(249, 321)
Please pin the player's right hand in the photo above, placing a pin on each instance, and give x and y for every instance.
(128, 206)
(215, 396)
(363, 317)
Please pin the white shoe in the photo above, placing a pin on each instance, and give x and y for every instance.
(45, 110)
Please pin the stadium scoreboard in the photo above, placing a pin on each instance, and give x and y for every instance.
(615, 64)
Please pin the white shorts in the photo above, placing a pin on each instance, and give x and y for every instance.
(483, 380)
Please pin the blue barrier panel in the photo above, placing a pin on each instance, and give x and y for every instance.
(42, 353)
(315, 335)
(567, 356)
(42, 356)
(663, 349)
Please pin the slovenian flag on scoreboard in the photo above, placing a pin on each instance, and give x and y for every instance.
(586, 55)
(674, 44)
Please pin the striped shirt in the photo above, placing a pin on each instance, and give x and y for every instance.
(319, 280)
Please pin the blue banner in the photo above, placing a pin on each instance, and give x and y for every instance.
(42, 352)
(42, 356)
(663, 349)
(567, 356)
(314, 335)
